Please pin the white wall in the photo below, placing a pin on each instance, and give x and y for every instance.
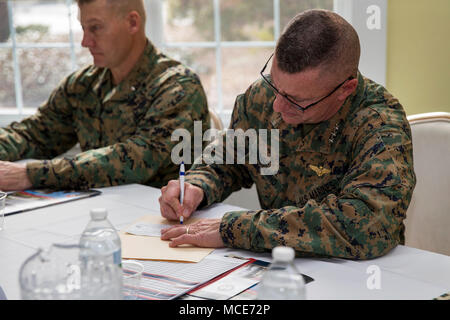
(369, 18)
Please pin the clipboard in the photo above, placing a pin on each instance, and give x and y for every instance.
(21, 201)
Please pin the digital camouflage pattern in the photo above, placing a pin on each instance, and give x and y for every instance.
(124, 131)
(343, 185)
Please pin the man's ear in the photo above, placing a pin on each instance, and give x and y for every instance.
(134, 22)
(348, 88)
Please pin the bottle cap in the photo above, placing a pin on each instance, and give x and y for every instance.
(98, 214)
(284, 254)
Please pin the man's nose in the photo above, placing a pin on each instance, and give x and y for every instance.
(87, 41)
(281, 104)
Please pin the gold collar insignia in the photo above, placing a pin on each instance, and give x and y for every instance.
(320, 171)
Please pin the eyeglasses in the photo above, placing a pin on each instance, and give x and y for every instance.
(290, 99)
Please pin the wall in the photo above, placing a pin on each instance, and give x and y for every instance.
(418, 54)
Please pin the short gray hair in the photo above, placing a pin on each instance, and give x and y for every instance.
(318, 38)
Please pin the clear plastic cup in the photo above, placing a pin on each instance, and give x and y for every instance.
(132, 274)
(53, 273)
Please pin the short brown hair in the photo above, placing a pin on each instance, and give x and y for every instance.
(318, 38)
(123, 6)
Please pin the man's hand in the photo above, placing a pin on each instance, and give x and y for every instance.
(203, 233)
(169, 202)
(13, 176)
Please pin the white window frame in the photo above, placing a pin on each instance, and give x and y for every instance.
(20, 112)
(155, 29)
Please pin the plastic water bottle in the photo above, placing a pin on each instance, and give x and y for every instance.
(282, 280)
(100, 255)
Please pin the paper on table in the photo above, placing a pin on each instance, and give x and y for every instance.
(20, 201)
(232, 284)
(146, 229)
(153, 248)
(166, 280)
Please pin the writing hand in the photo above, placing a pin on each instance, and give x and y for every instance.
(169, 202)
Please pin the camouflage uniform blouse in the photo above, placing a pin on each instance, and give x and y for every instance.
(343, 185)
(124, 131)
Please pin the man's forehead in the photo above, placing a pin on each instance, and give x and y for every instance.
(309, 74)
(301, 86)
(97, 10)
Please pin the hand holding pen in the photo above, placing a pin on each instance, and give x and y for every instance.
(178, 203)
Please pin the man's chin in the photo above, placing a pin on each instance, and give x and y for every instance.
(296, 120)
(100, 63)
(289, 119)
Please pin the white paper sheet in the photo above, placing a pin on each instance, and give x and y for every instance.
(168, 280)
(147, 229)
(232, 284)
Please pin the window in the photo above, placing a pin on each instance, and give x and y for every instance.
(39, 46)
(225, 41)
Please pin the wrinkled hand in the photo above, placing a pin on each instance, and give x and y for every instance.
(203, 233)
(13, 176)
(169, 202)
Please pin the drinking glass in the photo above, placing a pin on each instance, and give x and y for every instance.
(132, 274)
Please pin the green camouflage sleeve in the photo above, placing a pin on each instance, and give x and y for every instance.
(142, 157)
(218, 181)
(363, 221)
(33, 137)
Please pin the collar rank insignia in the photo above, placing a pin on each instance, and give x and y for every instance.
(334, 134)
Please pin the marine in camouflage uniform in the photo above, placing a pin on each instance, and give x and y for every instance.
(343, 185)
(124, 131)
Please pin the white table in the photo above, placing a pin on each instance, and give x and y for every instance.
(406, 273)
